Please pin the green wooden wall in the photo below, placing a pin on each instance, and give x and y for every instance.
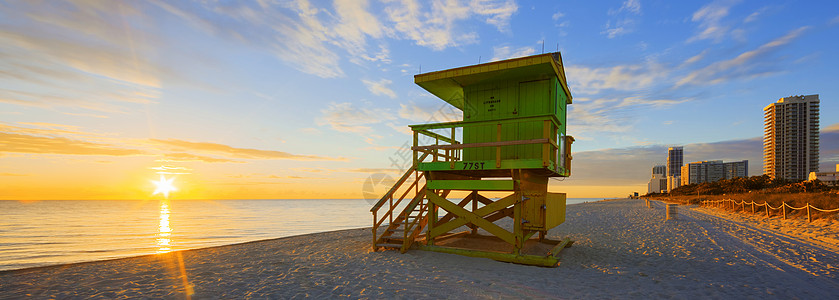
(511, 99)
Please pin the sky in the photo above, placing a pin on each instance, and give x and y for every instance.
(310, 99)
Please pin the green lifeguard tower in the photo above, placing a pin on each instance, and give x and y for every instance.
(511, 140)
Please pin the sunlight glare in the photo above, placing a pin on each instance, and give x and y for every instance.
(164, 186)
(164, 231)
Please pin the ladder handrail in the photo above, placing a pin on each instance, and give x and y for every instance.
(396, 186)
(393, 205)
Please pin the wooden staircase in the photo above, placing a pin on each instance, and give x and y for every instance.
(403, 222)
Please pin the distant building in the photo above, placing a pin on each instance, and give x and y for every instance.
(791, 137)
(660, 169)
(829, 178)
(675, 158)
(736, 169)
(714, 170)
(658, 182)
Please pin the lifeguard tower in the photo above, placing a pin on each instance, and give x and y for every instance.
(511, 141)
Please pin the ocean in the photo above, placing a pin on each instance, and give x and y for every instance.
(42, 233)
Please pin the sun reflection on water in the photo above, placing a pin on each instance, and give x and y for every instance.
(164, 231)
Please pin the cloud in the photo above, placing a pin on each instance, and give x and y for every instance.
(429, 113)
(632, 165)
(355, 24)
(695, 58)
(313, 37)
(624, 24)
(633, 6)
(80, 55)
(755, 15)
(345, 117)
(748, 64)
(587, 80)
(710, 21)
(621, 27)
(226, 150)
(437, 28)
(23, 143)
(505, 52)
(380, 87)
(557, 15)
(373, 170)
(187, 157)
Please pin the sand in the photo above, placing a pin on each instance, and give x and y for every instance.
(623, 250)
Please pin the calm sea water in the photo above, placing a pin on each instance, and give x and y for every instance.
(45, 233)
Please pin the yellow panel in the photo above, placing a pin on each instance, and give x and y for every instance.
(555, 210)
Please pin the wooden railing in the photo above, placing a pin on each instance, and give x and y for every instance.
(555, 148)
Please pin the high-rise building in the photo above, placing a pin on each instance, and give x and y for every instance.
(660, 169)
(714, 170)
(658, 182)
(675, 157)
(791, 137)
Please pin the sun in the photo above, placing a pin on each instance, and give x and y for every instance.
(164, 186)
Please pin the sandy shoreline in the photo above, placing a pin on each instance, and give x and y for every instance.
(622, 249)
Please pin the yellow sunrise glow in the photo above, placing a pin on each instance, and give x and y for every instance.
(164, 186)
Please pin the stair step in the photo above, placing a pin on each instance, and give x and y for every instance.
(389, 245)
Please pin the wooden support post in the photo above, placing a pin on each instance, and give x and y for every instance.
(545, 135)
(416, 140)
(474, 208)
(767, 209)
(436, 143)
(451, 154)
(784, 208)
(498, 148)
(809, 219)
(374, 231)
(753, 207)
(432, 219)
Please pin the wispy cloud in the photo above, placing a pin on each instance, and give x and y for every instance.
(244, 153)
(506, 52)
(695, 58)
(346, 117)
(314, 38)
(429, 113)
(187, 157)
(84, 52)
(746, 65)
(625, 23)
(755, 15)
(710, 18)
(380, 87)
(23, 143)
(437, 28)
(588, 80)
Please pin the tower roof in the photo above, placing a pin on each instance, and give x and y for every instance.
(448, 84)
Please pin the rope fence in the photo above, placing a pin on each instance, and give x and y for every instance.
(733, 204)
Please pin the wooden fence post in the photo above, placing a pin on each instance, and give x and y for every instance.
(784, 207)
(809, 220)
(767, 208)
(753, 207)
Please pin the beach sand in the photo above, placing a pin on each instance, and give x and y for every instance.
(622, 249)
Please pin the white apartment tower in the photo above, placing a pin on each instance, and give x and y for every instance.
(658, 182)
(791, 137)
